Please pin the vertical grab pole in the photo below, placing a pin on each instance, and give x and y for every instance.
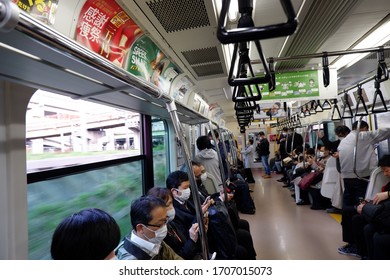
(218, 152)
(171, 107)
(221, 137)
(316, 142)
(225, 181)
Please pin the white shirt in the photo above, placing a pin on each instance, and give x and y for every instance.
(366, 158)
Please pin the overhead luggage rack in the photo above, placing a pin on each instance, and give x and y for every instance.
(51, 61)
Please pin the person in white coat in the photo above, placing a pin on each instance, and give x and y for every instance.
(248, 161)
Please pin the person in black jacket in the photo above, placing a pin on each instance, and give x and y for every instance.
(263, 152)
(184, 241)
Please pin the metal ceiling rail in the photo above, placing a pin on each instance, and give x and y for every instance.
(321, 55)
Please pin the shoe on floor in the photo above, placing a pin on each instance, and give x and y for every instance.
(333, 210)
(281, 180)
(267, 176)
(349, 250)
(302, 202)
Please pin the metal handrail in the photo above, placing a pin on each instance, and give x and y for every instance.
(171, 107)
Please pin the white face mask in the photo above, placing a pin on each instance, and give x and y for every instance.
(159, 234)
(185, 195)
(212, 142)
(171, 214)
(203, 177)
(321, 154)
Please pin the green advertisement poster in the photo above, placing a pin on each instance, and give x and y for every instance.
(146, 60)
(303, 84)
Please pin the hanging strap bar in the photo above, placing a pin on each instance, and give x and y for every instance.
(360, 99)
(325, 70)
(272, 82)
(377, 93)
(171, 107)
(256, 33)
(347, 110)
(355, 150)
(335, 110)
(245, 60)
(382, 67)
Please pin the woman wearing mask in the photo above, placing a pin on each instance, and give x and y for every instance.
(185, 242)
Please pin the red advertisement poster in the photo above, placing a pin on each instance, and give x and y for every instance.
(104, 27)
(44, 10)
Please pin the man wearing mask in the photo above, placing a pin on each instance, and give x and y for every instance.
(282, 143)
(263, 152)
(149, 221)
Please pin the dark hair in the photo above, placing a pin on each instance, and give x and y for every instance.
(141, 209)
(162, 193)
(159, 66)
(363, 124)
(215, 133)
(342, 130)
(91, 234)
(261, 133)
(285, 129)
(384, 161)
(310, 151)
(203, 142)
(251, 141)
(175, 179)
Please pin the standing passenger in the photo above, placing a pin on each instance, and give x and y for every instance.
(248, 160)
(209, 159)
(263, 152)
(354, 187)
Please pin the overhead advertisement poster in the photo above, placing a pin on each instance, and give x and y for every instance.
(148, 61)
(270, 111)
(104, 27)
(43, 10)
(303, 85)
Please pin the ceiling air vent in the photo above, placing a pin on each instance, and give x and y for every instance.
(204, 62)
(179, 15)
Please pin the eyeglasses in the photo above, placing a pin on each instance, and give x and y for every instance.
(158, 226)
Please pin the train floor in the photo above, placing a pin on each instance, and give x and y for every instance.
(282, 230)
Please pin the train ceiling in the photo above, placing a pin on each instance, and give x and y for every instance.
(186, 31)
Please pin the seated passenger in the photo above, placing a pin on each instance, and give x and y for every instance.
(90, 234)
(319, 202)
(182, 240)
(372, 238)
(148, 216)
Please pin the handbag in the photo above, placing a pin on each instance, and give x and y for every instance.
(371, 211)
(286, 160)
(378, 215)
(308, 179)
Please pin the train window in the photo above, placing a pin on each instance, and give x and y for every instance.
(160, 151)
(79, 155)
(49, 201)
(62, 131)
